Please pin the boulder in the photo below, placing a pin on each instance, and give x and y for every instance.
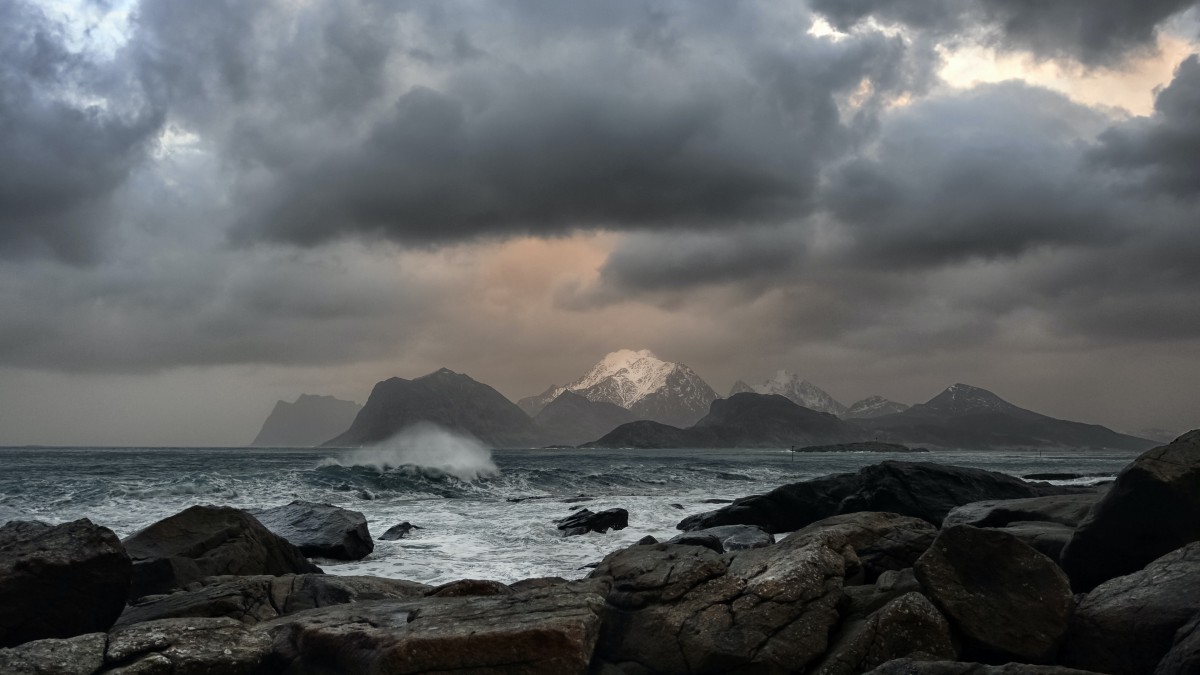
(58, 581)
(1006, 600)
(204, 541)
(929, 667)
(1184, 657)
(80, 655)
(689, 609)
(918, 489)
(469, 587)
(735, 537)
(1068, 510)
(584, 521)
(320, 530)
(1046, 537)
(398, 531)
(1128, 624)
(1152, 508)
(261, 598)
(860, 601)
(882, 541)
(182, 646)
(700, 538)
(551, 630)
(907, 625)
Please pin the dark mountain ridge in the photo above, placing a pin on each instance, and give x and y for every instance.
(571, 419)
(307, 422)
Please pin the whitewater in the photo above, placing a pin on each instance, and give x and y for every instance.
(483, 514)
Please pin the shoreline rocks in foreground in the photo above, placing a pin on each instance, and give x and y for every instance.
(901, 568)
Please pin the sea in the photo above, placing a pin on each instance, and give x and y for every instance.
(482, 513)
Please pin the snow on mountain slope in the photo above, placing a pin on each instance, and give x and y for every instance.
(874, 406)
(799, 391)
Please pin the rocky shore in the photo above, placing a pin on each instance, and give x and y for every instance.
(902, 568)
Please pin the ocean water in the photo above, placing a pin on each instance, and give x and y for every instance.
(484, 514)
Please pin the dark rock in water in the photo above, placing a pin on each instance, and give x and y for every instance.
(578, 498)
(320, 530)
(882, 541)
(81, 655)
(398, 531)
(911, 666)
(59, 581)
(181, 646)
(469, 588)
(1068, 510)
(646, 541)
(708, 541)
(1009, 602)
(918, 489)
(716, 501)
(907, 625)
(687, 609)
(584, 521)
(736, 537)
(536, 582)
(261, 598)
(1127, 624)
(204, 541)
(1046, 538)
(551, 631)
(677, 506)
(1152, 508)
(862, 446)
(1184, 657)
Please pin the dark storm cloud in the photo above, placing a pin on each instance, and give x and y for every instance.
(71, 131)
(1164, 148)
(1093, 32)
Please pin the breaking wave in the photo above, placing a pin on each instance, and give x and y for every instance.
(424, 449)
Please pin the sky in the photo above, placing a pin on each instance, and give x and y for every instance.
(209, 206)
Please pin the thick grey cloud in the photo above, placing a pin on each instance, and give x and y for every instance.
(1092, 32)
(71, 131)
(1164, 148)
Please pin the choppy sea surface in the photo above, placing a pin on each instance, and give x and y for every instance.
(484, 514)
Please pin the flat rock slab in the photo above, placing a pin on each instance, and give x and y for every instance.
(689, 609)
(1128, 624)
(59, 581)
(1069, 510)
(1152, 509)
(81, 655)
(1006, 600)
(1045, 537)
(320, 530)
(205, 541)
(254, 599)
(551, 630)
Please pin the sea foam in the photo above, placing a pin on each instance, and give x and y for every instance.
(426, 447)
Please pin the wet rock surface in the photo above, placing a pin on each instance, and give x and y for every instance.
(584, 521)
(398, 531)
(59, 581)
(733, 537)
(1069, 510)
(204, 541)
(1007, 601)
(320, 530)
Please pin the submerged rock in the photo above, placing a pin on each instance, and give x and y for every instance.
(1127, 624)
(204, 541)
(320, 530)
(1006, 600)
(1152, 508)
(584, 521)
(398, 531)
(59, 581)
(254, 599)
(917, 489)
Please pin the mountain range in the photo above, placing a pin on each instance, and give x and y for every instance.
(309, 421)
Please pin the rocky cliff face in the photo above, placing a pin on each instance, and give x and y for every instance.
(309, 421)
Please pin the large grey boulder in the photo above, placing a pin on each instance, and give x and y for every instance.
(689, 609)
(918, 489)
(730, 537)
(882, 541)
(59, 581)
(188, 646)
(1006, 600)
(1069, 509)
(80, 655)
(1045, 537)
(1127, 624)
(320, 530)
(1152, 508)
(907, 625)
(584, 521)
(260, 598)
(205, 541)
(925, 667)
(551, 630)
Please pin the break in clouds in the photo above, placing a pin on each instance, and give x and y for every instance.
(323, 183)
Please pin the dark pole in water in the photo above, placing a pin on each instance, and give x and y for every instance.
(793, 453)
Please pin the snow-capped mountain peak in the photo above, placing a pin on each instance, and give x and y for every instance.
(634, 375)
(874, 406)
(798, 390)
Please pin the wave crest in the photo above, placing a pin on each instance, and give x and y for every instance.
(424, 448)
